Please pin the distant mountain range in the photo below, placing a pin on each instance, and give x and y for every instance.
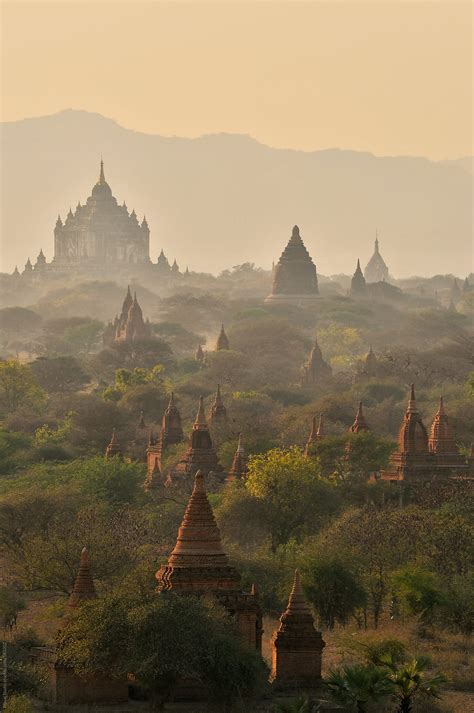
(225, 199)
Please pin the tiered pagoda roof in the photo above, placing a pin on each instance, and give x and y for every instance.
(294, 277)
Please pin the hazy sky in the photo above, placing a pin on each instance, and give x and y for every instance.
(388, 77)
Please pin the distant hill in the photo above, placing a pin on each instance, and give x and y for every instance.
(220, 200)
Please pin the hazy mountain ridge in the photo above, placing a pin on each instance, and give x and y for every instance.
(224, 199)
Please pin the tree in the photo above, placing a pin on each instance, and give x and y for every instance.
(420, 591)
(111, 480)
(41, 537)
(296, 498)
(160, 640)
(19, 703)
(59, 374)
(334, 590)
(11, 604)
(409, 681)
(358, 686)
(18, 386)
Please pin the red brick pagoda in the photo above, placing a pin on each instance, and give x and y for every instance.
(421, 458)
(296, 646)
(198, 565)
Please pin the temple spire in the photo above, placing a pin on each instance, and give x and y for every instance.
(239, 467)
(222, 340)
(101, 174)
(218, 410)
(84, 584)
(360, 424)
(200, 421)
(113, 449)
(412, 400)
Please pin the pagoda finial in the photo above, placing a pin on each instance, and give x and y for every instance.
(101, 174)
(412, 399)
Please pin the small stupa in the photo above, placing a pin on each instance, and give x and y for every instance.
(296, 646)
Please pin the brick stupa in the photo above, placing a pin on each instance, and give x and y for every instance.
(222, 343)
(84, 588)
(200, 454)
(441, 441)
(198, 565)
(316, 371)
(294, 278)
(296, 645)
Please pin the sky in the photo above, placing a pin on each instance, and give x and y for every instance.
(393, 78)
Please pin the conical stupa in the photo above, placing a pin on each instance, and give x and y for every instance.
(296, 646)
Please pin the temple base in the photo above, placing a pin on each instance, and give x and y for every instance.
(298, 300)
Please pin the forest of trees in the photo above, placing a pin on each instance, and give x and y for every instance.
(386, 569)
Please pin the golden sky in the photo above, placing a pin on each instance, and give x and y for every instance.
(387, 77)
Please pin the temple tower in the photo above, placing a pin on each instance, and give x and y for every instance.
(316, 371)
(441, 441)
(294, 277)
(222, 341)
(84, 588)
(198, 565)
(218, 412)
(296, 646)
(376, 270)
(412, 458)
(153, 455)
(358, 285)
(171, 428)
(200, 454)
(316, 434)
(199, 355)
(100, 234)
(239, 467)
(113, 449)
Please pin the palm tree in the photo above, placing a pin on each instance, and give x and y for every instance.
(359, 685)
(409, 680)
